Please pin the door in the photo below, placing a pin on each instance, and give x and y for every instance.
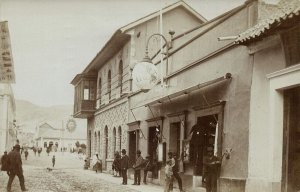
(202, 141)
(291, 152)
(132, 146)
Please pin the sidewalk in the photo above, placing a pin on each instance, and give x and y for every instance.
(118, 180)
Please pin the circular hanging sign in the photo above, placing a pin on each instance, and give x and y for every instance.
(71, 125)
(145, 75)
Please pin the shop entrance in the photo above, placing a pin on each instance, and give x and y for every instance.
(291, 149)
(202, 141)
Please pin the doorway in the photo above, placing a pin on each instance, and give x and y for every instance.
(291, 149)
(153, 140)
(202, 141)
(132, 146)
(174, 146)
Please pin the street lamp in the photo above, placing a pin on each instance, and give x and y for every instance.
(145, 73)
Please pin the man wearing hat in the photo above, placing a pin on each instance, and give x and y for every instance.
(124, 166)
(15, 168)
(137, 168)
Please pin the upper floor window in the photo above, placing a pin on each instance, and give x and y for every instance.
(291, 43)
(109, 84)
(120, 74)
(89, 90)
(99, 87)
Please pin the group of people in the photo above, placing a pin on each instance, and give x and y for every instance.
(12, 164)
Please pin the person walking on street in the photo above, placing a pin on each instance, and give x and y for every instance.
(137, 168)
(176, 176)
(148, 167)
(169, 175)
(53, 160)
(15, 168)
(124, 166)
(26, 154)
(4, 162)
(39, 151)
(212, 164)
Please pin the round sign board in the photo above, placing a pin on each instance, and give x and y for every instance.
(145, 75)
(71, 125)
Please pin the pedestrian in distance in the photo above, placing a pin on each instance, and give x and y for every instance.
(148, 166)
(176, 176)
(97, 164)
(48, 150)
(53, 160)
(169, 175)
(26, 154)
(124, 166)
(4, 162)
(137, 168)
(15, 168)
(39, 151)
(34, 150)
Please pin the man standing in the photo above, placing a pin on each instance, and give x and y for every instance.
(148, 167)
(175, 170)
(212, 164)
(137, 168)
(53, 160)
(124, 166)
(15, 168)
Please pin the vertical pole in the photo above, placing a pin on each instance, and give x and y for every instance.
(161, 45)
(63, 132)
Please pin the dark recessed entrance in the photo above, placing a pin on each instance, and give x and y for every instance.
(291, 145)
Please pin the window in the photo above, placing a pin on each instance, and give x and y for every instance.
(95, 143)
(120, 138)
(89, 90)
(120, 75)
(291, 43)
(106, 142)
(99, 89)
(109, 84)
(98, 142)
(114, 140)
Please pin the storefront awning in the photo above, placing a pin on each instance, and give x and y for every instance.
(226, 77)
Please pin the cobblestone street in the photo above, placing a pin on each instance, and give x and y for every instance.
(68, 175)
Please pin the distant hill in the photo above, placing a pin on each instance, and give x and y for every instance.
(29, 115)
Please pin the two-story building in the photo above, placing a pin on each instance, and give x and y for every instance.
(215, 96)
(102, 89)
(274, 127)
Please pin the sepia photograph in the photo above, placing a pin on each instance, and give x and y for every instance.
(150, 95)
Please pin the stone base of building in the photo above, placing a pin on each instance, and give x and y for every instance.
(262, 185)
(232, 185)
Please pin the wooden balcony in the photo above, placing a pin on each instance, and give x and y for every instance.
(84, 108)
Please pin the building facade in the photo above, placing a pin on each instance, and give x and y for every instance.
(274, 49)
(237, 97)
(8, 132)
(57, 138)
(102, 89)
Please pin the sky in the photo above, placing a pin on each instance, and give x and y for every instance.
(53, 40)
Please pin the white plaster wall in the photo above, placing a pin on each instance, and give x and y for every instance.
(260, 138)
